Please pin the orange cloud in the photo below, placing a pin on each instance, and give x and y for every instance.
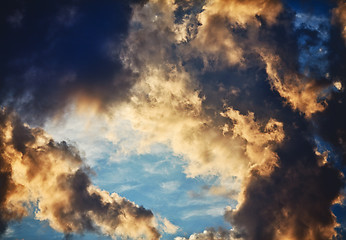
(300, 92)
(220, 18)
(339, 16)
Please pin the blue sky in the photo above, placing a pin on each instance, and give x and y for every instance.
(155, 180)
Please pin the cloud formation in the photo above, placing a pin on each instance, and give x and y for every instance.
(219, 23)
(284, 204)
(36, 169)
(167, 107)
(224, 83)
(276, 160)
(67, 56)
(301, 93)
(220, 234)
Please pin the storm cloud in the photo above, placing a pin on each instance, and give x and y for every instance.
(62, 52)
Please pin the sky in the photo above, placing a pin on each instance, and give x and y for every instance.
(173, 119)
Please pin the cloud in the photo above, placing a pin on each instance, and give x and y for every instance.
(15, 19)
(339, 16)
(36, 169)
(170, 186)
(258, 144)
(9, 232)
(169, 112)
(167, 107)
(331, 122)
(220, 234)
(231, 32)
(224, 190)
(223, 84)
(274, 158)
(167, 226)
(58, 65)
(284, 205)
(300, 92)
(212, 212)
(220, 20)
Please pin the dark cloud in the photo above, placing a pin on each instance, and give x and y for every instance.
(294, 201)
(61, 53)
(6, 182)
(248, 87)
(332, 122)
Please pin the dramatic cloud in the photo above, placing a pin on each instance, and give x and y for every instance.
(35, 169)
(272, 205)
(301, 92)
(250, 92)
(167, 106)
(258, 143)
(235, 32)
(331, 122)
(219, 22)
(70, 54)
(168, 112)
(284, 204)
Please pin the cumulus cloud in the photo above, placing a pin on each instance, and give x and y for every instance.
(36, 169)
(258, 143)
(167, 106)
(169, 112)
(220, 234)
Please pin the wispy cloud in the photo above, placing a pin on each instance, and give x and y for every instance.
(213, 212)
(170, 186)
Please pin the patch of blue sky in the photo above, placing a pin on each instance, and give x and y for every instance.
(31, 229)
(154, 179)
(333, 155)
(313, 55)
(157, 181)
(339, 211)
(318, 7)
(322, 145)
